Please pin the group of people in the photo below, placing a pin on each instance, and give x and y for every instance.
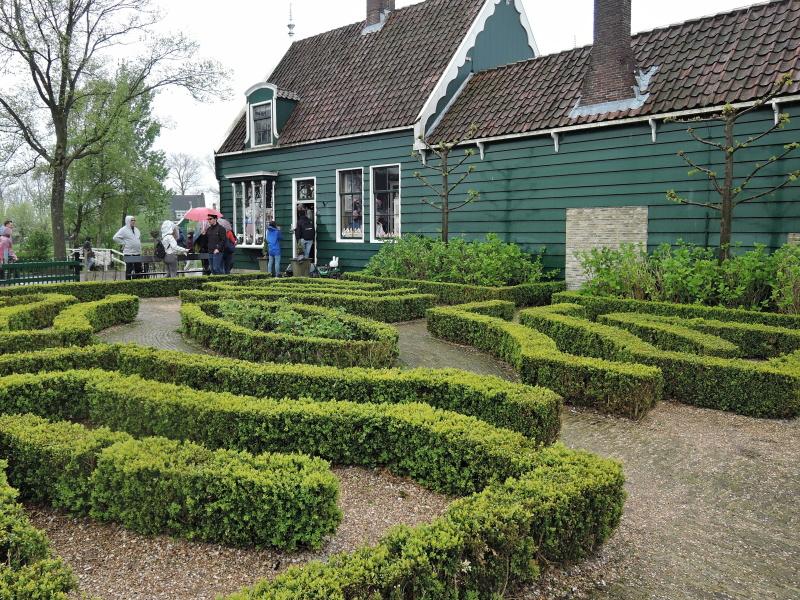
(304, 233)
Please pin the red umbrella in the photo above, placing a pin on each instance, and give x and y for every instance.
(200, 214)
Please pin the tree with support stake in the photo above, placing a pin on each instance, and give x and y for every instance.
(448, 172)
(733, 190)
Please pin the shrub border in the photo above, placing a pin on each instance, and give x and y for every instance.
(236, 341)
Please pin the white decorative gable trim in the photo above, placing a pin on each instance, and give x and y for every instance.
(460, 58)
(274, 107)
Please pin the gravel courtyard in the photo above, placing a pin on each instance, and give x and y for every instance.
(711, 510)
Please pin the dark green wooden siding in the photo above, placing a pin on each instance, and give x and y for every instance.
(526, 187)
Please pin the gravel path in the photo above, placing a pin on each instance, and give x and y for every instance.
(711, 513)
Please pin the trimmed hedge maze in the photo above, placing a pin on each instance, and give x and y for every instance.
(359, 299)
(245, 330)
(520, 499)
(33, 321)
(623, 362)
(27, 566)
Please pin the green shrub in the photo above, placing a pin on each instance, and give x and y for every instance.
(488, 263)
(388, 308)
(620, 272)
(786, 290)
(48, 579)
(37, 246)
(532, 411)
(206, 323)
(157, 485)
(612, 387)
(35, 311)
(527, 294)
(162, 486)
(672, 335)
(281, 317)
(741, 386)
(601, 305)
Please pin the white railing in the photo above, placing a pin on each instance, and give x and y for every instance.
(104, 258)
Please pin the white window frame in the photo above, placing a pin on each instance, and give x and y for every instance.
(372, 237)
(294, 214)
(339, 238)
(252, 123)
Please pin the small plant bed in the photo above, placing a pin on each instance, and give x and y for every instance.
(52, 320)
(28, 568)
(385, 306)
(518, 502)
(293, 333)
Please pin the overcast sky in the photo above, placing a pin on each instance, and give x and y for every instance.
(249, 37)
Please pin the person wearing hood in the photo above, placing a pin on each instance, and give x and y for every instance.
(171, 247)
(273, 244)
(130, 238)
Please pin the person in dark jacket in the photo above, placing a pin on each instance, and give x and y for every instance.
(215, 241)
(273, 244)
(304, 233)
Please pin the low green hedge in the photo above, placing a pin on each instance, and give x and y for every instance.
(309, 288)
(163, 486)
(74, 325)
(87, 291)
(532, 411)
(27, 569)
(526, 294)
(741, 386)
(306, 282)
(386, 308)
(672, 335)
(601, 305)
(557, 504)
(618, 388)
(377, 348)
(36, 312)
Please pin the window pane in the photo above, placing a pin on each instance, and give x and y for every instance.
(350, 205)
(262, 124)
(386, 217)
(305, 190)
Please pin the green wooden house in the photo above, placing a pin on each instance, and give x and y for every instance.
(573, 150)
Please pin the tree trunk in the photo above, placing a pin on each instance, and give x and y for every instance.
(726, 217)
(445, 197)
(57, 209)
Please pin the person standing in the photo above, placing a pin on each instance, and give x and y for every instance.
(171, 247)
(130, 238)
(274, 237)
(215, 241)
(304, 233)
(230, 250)
(6, 245)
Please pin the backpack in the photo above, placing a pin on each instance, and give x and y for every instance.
(160, 252)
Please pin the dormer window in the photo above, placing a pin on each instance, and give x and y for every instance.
(262, 124)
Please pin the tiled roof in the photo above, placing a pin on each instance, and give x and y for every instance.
(730, 57)
(350, 83)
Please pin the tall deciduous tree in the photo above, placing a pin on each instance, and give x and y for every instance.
(125, 178)
(733, 190)
(53, 47)
(185, 172)
(450, 174)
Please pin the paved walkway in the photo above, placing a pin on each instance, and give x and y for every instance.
(712, 507)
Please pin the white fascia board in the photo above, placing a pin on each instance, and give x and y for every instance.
(319, 141)
(619, 122)
(460, 57)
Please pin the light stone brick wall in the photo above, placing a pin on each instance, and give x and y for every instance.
(589, 228)
(793, 238)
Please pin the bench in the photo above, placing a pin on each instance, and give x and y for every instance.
(149, 261)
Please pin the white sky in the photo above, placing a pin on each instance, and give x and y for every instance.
(249, 37)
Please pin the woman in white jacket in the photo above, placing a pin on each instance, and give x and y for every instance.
(171, 248)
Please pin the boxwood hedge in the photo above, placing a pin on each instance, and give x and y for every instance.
(552, 503)
(527, 294)
(532, 411)
(618, 388)
(742, 386)
(27, 567)
(157, 485)
(87, 291)
(35, 311)
(376, 346)
(74, 325)
(601, 305)
(387, 307)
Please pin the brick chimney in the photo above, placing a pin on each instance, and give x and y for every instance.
(377, 11)
(611, 65)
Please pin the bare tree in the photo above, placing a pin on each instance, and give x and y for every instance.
(445, 170)
(185, 172)
(731, 189)
(51, 48)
